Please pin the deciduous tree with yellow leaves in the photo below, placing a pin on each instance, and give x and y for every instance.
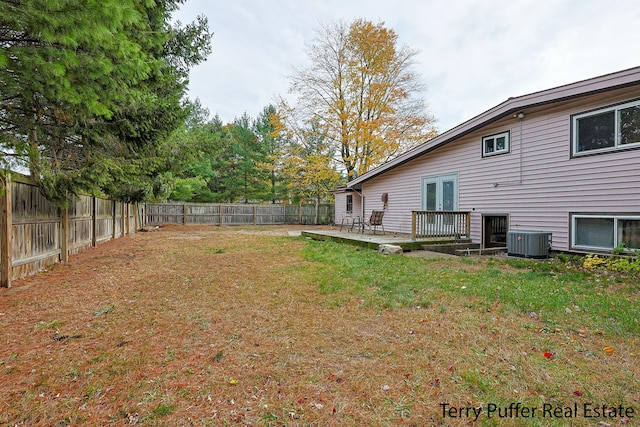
(307, 163)
(361, 92)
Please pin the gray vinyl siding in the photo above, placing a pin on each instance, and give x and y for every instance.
(553, 186)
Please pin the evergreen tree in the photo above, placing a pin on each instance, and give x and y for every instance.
(242, 172)
(88, 89)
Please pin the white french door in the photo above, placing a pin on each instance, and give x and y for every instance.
(440, 193)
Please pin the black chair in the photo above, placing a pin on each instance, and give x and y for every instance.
(374, 222)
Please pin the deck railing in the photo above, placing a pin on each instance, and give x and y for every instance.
(440, 224)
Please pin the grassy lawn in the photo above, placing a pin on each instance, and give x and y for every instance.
(210, 326)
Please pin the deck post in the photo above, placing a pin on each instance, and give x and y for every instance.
(413, 224)
(468, 224)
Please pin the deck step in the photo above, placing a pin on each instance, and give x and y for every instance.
(483, 251)
(451, 248)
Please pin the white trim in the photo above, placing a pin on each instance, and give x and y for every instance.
(495, 152)
(582, 88)
(615, 219)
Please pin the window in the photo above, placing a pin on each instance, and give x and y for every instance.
(607, 129)
(605, 231)
(349, 203)
(495, 144)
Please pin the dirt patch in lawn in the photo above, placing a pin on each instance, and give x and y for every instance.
(194, 326)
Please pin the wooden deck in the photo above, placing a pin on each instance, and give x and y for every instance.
(372, 241)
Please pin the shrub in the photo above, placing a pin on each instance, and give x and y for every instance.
(592, 262)
(624, 264)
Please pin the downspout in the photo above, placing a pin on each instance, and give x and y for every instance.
(361, 201)
(520, 116)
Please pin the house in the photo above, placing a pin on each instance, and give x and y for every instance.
(564, 160)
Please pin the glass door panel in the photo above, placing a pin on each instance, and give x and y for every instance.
(448, 195)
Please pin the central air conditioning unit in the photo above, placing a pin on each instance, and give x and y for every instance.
(529, 244)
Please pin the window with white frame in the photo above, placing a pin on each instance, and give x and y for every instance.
(495, 144)
(605, 232)
(349, 203)
(607, 129)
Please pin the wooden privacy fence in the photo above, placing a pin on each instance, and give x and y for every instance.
(35, 234)
(237, 214)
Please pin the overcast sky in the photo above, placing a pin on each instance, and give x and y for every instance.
(474, 54)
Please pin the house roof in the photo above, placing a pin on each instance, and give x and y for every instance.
(509, 107)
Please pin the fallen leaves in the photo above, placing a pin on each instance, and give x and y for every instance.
(239, 347)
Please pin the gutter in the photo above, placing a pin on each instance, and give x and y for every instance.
(617, 80)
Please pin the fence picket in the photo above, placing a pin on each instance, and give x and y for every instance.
(237, 214)
(35, 234)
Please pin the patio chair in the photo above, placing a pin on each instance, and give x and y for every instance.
(351, 222)
(374, 222)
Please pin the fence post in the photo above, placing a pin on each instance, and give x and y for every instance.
(184, 214)
(113, 222)
(122, 225)
(300, 213)
(5, 230)
(128, 220)
(64, 234)
(255, 214)
(94, 222)
(135, 217)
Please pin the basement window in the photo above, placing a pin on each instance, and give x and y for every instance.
(495, 144)
(605, 232)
